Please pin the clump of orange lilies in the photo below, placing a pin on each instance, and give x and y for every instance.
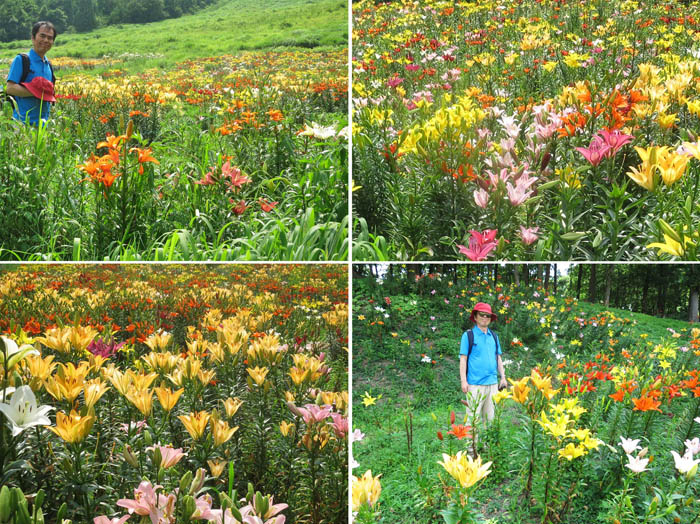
(105, 169)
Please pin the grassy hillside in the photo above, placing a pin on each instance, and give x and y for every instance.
(227, 27)
(576, 343)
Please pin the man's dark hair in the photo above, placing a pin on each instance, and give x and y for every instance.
(39, 25)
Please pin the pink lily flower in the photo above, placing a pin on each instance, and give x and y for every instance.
(311, 412)
(596, 151)
(234, 176)
(481, 197)
(169, 455)
(145, 500)
(529, 234)
(340, 425)
(105, 520)
(480, 244)
(272, 510)
(203, 509)
(395, 81)
(159, 508)
(615, 140)
(519, 193)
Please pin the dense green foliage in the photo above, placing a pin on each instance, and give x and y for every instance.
(18, 16)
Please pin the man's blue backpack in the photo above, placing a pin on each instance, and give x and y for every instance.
(470, 338)
(4, 97)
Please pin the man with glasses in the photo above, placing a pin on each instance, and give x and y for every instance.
(31, 79)
(480, 365)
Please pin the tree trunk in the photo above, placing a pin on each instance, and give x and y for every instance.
(547, 269)
(495, 275)
(608, 283)
(526, 275)
(592, 283)
(645, 291)
(662, 284)
(579, 267)
(693, 306)
(516, 275)
(556, 273)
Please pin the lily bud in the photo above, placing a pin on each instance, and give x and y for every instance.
(4, 504)
(130, 457)
(261, 505)
(62, 512)
(129, 129)
(189, 506)
(198, 481)
(185, 481)
(39, 499)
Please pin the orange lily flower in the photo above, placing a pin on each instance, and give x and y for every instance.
(112, 142)
(144, 156)
(646, 404)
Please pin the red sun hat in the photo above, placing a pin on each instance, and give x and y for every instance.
(41, 88)
(484, 308)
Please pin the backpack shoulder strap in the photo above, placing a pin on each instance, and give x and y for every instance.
(53, 75)
(25, 67)
(470, 339)
(498, 344)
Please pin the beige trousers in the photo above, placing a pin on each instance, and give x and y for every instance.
(480, 404)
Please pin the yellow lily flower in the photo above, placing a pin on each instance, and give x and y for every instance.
(286, 427)
(365, 490)
(142, 399)
(231, 405)
(195, 423)
(464, 469)
(221, 431)
(158, 341)
(670, 246)
(672, 166)
(216, 467)
(168, 398)
(94, 389)
(570, 452)
(258, 374)
(72, 428)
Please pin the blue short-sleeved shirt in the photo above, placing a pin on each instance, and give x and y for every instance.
(482, 369)
(30, 106)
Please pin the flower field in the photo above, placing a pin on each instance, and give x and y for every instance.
(173, 393)
(548, 130)
(600, 421)
(221, 158)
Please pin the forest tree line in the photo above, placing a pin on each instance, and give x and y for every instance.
(663, 290)
(18, 16)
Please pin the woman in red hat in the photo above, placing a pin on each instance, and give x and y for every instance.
(33, 92)
(480, 365)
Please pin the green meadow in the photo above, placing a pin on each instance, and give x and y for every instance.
(227, 27)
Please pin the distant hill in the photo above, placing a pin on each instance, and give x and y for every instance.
(223, 27)
(85, 15)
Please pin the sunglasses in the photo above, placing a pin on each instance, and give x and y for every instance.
(483, 315)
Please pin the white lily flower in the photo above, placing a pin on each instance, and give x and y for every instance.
(23, 412)
(637, 464)
(14, 354)
(693, 446)
(685, 464)
(629, 445)
(318, 131)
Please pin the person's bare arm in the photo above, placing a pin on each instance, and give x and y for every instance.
(17, 90)
(501, 372)
(463, 373)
